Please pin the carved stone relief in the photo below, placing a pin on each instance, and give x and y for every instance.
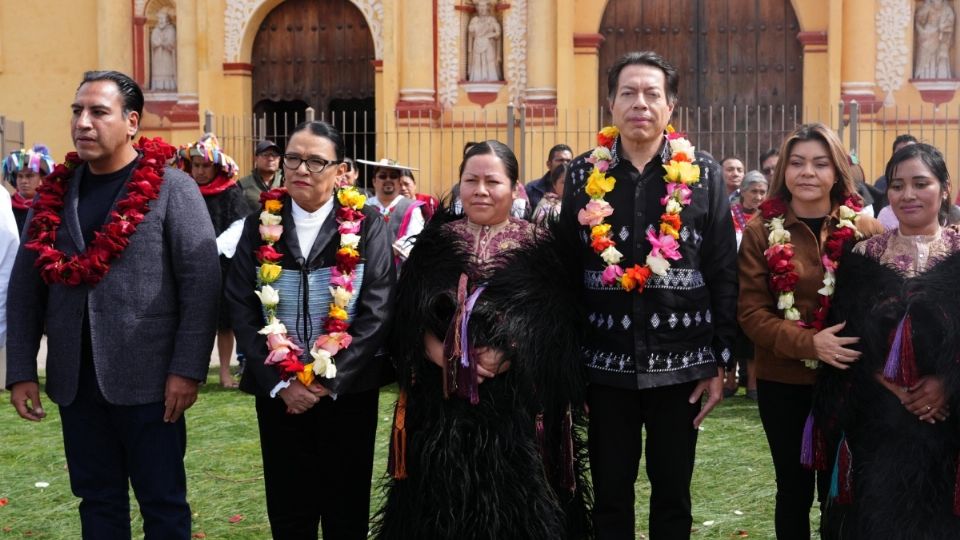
(237, 13)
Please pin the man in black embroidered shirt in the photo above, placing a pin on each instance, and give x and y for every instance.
(653, 354)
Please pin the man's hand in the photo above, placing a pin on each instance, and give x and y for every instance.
(298, 398)
(23, 392)
(714, 389)
(178, 396)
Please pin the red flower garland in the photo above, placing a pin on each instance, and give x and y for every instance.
(783, 278)
(109, 242)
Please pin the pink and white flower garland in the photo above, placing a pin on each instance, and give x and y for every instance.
(284, 354)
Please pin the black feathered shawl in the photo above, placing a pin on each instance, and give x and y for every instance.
(486, 471)
(902, 472)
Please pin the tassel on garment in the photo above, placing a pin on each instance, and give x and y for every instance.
(841, 481)
(397, 465)
(901, 365)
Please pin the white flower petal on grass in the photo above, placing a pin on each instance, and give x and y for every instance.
(42, 485)
(709, 523)
(738, 512)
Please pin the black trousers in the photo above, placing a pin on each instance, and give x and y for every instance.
(317, 466)
(615, 441)
(783, 412)
(108, 446)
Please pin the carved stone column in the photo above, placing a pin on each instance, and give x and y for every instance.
(541, 92)
(418, 95)
(858, 58)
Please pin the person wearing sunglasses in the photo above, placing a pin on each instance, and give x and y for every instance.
(404, 216)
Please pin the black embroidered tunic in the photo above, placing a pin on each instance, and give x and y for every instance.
(683, 324)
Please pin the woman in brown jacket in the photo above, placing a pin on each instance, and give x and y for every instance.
(787, 262)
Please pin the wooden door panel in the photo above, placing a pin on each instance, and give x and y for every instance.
(739, 62)
(313, 51)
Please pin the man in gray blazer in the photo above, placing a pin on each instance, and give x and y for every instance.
(128, 348)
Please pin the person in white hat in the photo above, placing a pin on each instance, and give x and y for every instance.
(403, 216)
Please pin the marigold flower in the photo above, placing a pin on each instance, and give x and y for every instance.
(600, 230)
(273, 206)
(337, 312)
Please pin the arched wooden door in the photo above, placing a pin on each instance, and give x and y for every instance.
(740, 63)
(316, 53)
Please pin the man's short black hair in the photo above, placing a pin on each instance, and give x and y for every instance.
(557, 148)
(905, 138)
(644, 58)
(129, 89)
(767, 155)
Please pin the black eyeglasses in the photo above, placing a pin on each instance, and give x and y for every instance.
(314, 165)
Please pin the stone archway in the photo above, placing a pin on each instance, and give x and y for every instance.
(242, 19)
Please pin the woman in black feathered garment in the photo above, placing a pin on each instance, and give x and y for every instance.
(512, 465)
(895, 475)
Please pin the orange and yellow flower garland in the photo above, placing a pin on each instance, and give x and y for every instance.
(284, 354)
(681, 173)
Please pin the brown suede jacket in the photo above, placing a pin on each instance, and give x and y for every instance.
(781, 344)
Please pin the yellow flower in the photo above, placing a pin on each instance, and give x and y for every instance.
(273, 206)
(270, 272)
(348, 251)
(352, 198)
(610, 131)
(306, 376)
(670, 129)
(667, 229)
(682, 172)
(599, 184)
(600, 230)
(337, 312)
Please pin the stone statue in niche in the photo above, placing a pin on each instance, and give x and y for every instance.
(484, 44)
(163, 54)
(933, 39)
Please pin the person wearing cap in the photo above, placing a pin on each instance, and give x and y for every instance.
(216, 175)
(403, 216)
(266, 173)
(24, 169)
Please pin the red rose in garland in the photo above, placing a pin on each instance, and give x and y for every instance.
(783, 279)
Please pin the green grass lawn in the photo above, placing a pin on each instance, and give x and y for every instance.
(733, 486)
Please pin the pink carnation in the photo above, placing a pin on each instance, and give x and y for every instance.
(271, 233)
(611, 274)
(594, 213)
(334, 341)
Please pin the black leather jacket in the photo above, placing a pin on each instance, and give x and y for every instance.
(358, 367)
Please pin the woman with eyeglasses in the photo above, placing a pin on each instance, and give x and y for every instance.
(310, 289)
(216, 176)
(892, 417)
(486, 435)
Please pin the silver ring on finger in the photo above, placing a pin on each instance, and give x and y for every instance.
(836, 356)
(929, 408)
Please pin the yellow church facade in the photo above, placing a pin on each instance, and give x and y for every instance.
(414, 80)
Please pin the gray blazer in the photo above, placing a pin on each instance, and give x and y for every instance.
(153, 314)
